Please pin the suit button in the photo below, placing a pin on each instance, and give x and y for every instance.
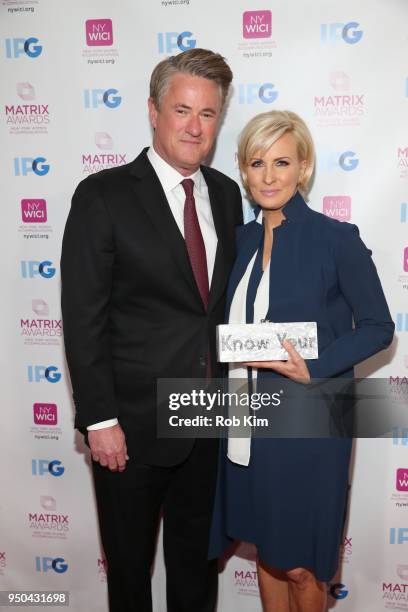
(203, 362)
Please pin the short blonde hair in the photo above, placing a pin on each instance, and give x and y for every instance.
(264, 130)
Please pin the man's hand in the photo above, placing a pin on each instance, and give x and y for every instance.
(294, 368)
(108, 447)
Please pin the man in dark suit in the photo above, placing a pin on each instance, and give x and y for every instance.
(146, 255)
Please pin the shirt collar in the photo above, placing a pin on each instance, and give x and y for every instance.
(168, 176)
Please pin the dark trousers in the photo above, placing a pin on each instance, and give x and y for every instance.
(129, 505)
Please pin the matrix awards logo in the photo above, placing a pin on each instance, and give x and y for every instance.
(101, 160)
(102, 567)
(3, 563)
(41, 330)
(50, 525)
(256, 34)
(46, 564)
(26, 119)
(337, 207)
(340, 33)
(45, 418)
(34, 219)
(331, 161)
(107, 98)
(402, 162)
(244, 577)
(35, 269)
(40, 373)
(99, 42)
(346, 550)
(395, 594)
(253, 93)
(173, 42)
(23, 47)
(341, 107)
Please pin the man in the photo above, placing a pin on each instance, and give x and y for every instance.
(145, 261)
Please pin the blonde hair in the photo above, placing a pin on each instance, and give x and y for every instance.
(196, 62)
(264, 130)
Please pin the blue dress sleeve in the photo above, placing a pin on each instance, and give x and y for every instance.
(361, 288)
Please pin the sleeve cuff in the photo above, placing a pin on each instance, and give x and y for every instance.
(103, 424)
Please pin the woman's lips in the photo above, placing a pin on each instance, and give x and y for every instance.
(269, 192)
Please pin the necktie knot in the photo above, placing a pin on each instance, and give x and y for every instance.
(188, 186)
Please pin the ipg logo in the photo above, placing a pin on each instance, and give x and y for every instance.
(398, 535)
(175, 41)
(333, 160)
(57, 564)
(38, 373)
(401, 322)
(340, 32)
(41, 467)
(25, 165)
(338, 591)
(32, 269)
(15, 47)
(93, 98)
(249, 93)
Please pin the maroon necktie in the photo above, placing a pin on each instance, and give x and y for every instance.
(194, 242)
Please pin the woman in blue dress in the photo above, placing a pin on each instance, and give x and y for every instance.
(288, 496)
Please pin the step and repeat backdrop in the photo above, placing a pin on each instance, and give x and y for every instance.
(74, 86)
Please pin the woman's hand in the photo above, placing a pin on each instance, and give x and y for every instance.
(294, 368)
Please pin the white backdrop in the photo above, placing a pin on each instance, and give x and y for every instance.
(342, 66)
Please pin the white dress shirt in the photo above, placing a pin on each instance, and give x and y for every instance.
(170, 180)
(239, 449)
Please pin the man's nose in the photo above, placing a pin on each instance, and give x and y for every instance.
(194, 125)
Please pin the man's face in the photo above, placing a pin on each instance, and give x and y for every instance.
(186, 124)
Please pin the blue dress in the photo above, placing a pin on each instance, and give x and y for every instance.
(290, 501)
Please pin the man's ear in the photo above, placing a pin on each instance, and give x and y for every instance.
(152, 112)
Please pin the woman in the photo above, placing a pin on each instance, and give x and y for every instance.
(288, 496)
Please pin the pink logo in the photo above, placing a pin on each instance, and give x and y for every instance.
(47, 502)
(257, 24)
(25, 91)
(103, 141)
(339, 80)
(45, 414)
(405, 259)
(40, 308)
(402, 479)
(99, 32)
(337, 207)
(34, 211)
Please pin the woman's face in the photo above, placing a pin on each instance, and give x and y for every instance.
(273, 176)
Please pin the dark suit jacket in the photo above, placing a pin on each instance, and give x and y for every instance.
(320, 270)
(131, 308)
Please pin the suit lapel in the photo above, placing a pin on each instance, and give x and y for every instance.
(154, 202)
(225, 235)
(248, 245)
